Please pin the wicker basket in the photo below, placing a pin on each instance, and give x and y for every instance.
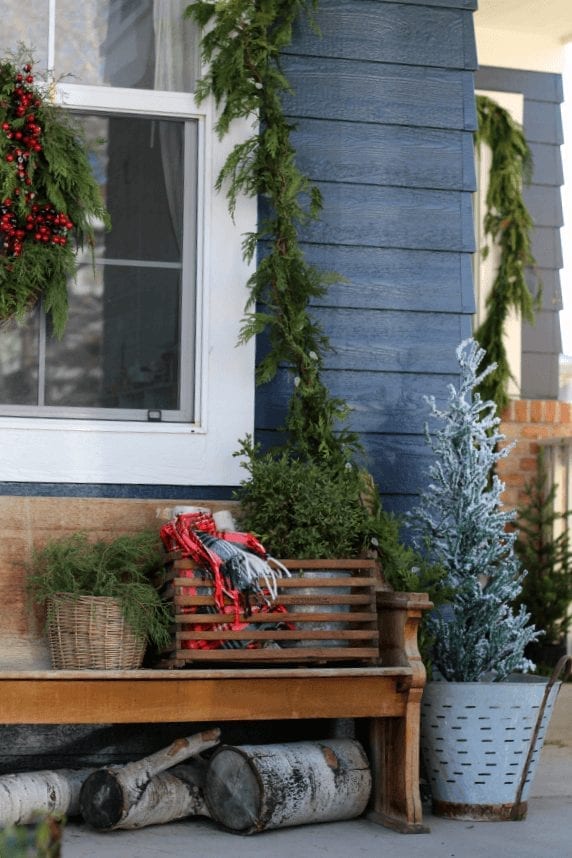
(90, 632)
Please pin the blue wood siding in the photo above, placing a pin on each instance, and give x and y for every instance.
(116, 490)
(379, 216)
(401, 33)
(380, 92)
(384, 110)
(388, 278)
(396, 155)
(542, 125)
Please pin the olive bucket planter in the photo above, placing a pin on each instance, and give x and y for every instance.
(481, 743)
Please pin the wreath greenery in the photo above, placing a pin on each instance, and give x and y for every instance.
(508, 224)
(49, 200)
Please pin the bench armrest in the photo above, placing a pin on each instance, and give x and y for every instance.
(399, 616)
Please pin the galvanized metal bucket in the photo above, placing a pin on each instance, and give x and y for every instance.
(481, 743)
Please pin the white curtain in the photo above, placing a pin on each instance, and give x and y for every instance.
(176, 69)
(176, 47)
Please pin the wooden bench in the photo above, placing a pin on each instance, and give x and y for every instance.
(388, 695)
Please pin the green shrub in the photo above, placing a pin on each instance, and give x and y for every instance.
(314, 509)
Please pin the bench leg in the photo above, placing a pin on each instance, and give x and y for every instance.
(394, 757)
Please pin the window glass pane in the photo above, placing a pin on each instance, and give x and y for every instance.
(131, 43)
(19, 361)
(139, 165)
(28, 24)
(121, 345)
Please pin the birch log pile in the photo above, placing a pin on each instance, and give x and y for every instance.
(145, 792)
(252, 788)
(27, 796)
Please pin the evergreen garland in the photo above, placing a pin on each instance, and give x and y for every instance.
(461, 525)
(49, 199)
(508, 224)
(242, 45)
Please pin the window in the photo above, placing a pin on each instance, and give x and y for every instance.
(146, 384)
(119, 357)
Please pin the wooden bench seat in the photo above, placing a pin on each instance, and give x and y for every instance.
(388, 695)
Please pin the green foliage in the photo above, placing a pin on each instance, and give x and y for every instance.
(121, 568)
(508, 225)
(302, 508)
(403, 568)
(42, 840)
(306, 501)
(50, 178)
(242, 45)
(547, 588)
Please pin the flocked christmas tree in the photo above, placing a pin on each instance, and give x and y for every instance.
(460, 522)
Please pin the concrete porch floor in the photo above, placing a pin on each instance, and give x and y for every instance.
(544, 834)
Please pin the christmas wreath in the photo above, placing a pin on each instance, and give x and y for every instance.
(49, 200)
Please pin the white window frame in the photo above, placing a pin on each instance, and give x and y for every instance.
(71, 450)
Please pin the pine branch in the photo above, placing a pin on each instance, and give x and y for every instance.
(547, 588)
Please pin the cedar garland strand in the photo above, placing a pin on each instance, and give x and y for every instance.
(508, 225)
(242, 44)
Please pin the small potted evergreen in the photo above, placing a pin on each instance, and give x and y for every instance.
(102, 608)
(305, 507)
(482, 719)
(323, 517)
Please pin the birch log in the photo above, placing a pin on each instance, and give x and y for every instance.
(145, 793)
(251, 788)
(25, 797)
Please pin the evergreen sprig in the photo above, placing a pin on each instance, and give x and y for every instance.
(461, 524)
(242, 44)
(507, 224)
(121, 568)
(49, 200)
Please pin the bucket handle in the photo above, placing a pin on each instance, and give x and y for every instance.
(563, 666)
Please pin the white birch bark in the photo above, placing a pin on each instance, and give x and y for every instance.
(251, 788)
(25, 796)
(144, 792)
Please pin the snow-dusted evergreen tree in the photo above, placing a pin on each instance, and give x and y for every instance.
(461, 525)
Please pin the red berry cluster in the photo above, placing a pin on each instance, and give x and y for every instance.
(41, 223)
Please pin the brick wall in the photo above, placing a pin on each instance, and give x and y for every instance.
(526, 421)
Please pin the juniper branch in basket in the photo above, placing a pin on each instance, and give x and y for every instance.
(121, 568)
